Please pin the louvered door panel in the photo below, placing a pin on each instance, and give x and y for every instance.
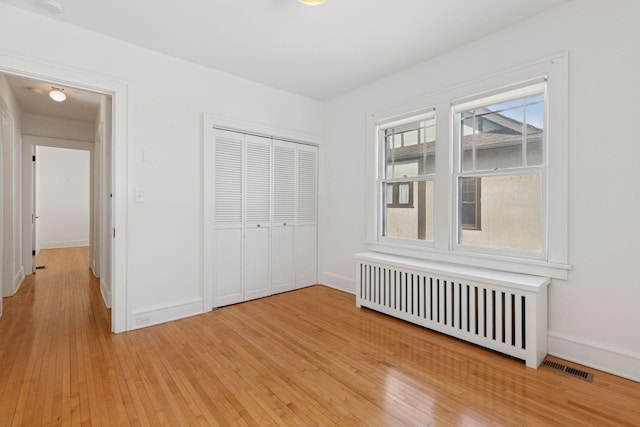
(307, 183)
(283, 182)
(228, 249)
(258, 180)
(282, 248)
(258, 218)
(306, 227)
(228, 178)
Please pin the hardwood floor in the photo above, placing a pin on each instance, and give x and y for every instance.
(307, 357)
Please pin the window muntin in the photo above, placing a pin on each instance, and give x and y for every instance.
(406, 178)
(502, 143)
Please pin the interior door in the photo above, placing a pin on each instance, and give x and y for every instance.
(306, 233)
(228, 234)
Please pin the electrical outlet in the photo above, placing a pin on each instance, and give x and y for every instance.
(142, 320)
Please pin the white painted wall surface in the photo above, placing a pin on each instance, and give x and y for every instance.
(63, 204)
(594, 315)
(54, 127)
(166, 97)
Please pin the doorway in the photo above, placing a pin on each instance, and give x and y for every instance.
(109, 175)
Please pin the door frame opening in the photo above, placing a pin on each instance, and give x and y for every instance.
(117, 173)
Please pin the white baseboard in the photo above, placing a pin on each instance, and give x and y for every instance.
(17, 280)
(339, 282)
(599, 356)
(154, 315)
(66, 244)
(105, 290)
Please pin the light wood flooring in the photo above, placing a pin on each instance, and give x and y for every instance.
(307, 357)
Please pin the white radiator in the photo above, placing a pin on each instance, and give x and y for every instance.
(505, 312)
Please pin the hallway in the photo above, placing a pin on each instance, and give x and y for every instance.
(52, 336)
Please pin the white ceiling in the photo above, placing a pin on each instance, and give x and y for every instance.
(33, 97)
(315, 51)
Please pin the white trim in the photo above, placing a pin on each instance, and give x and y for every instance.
(106, 293)
(597, 355)
(338, 281)
(495, 262)
(17, 280)
(64, 244)
(12, 63)
(246, 127)
(45, 141)
(154, 315)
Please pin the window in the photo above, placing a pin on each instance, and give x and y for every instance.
(406, 177)
(500, 143)
(476, 174)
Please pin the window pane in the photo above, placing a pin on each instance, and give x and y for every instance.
(499, 140)
(388, 195)
(403, 194)
(510, 212)
(493, 136)
(467, 131)
(409, 149)
(469, 215)
(535, 131)
(415, 221)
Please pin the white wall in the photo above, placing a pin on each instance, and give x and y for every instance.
(166, 96)
(63, 205)
(13, 273)
(594, 315)
(55, 127)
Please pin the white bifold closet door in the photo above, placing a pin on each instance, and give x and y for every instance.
(306, 232)
(228, 241)
(258, 217)
(284, 194)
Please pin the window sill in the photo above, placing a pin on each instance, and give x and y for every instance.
(493, 262)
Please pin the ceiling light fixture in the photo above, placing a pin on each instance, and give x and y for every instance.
(51, 6)
(57, 94)
(312, 2)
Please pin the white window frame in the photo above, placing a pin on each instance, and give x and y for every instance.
(554, 260)
(414, 116)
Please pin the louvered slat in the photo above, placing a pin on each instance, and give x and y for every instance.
(228, 181)
(307, 185)
(283, 185)
(258, 182)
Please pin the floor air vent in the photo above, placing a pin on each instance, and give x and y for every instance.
(577, 373)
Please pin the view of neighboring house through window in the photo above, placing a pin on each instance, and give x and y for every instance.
(408, 149)
(500, 171)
